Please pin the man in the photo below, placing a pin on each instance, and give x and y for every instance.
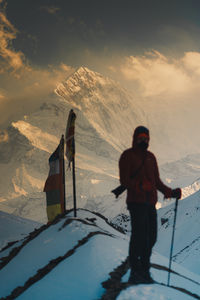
(139, 174)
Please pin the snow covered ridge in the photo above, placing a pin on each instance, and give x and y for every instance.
(74, 257)
(36, 136)
(49, 246)
(192, 188)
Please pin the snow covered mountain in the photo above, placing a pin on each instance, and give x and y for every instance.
(84, 258)
(106, 117)
(101, 106)
(108, 107)
(28, 143)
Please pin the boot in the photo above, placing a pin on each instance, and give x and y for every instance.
(147, 276)
(136, 278)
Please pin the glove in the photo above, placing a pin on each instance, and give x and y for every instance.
(176, 193)
(168, 193)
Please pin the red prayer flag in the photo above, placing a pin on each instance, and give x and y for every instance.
(54, 185)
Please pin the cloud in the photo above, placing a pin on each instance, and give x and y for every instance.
(22, 95)
(157, 74)
(12, 59)
(191, 61)
(66, 68)
(24, 86)
(41, 82)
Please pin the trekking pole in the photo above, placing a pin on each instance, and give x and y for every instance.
(172, 241)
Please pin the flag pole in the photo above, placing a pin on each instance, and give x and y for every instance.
(70, 151)
(74, 185)
(64, 177)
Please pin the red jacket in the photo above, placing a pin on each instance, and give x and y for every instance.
(143, 187)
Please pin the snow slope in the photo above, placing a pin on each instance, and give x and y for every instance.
(187, 235)
(57, 240)
(72, 257)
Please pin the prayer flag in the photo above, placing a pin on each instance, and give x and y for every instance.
(54, 185)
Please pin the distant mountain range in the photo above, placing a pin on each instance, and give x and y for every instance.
(106, 117)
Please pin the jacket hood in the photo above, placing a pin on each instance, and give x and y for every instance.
(139, 130)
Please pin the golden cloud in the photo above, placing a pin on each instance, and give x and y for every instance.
(43, 81)
(158, 74)
(24, 86)
(13, 59)
(25, 94)
(191, 61)
(66, 68)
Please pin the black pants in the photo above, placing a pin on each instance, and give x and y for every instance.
(143, 236)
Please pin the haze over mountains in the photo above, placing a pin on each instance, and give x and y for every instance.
(106, 117)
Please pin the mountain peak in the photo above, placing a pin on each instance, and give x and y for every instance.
(84, 79)
(85, 74)
(83, 70)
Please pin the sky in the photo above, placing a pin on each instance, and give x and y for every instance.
(151, 47)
